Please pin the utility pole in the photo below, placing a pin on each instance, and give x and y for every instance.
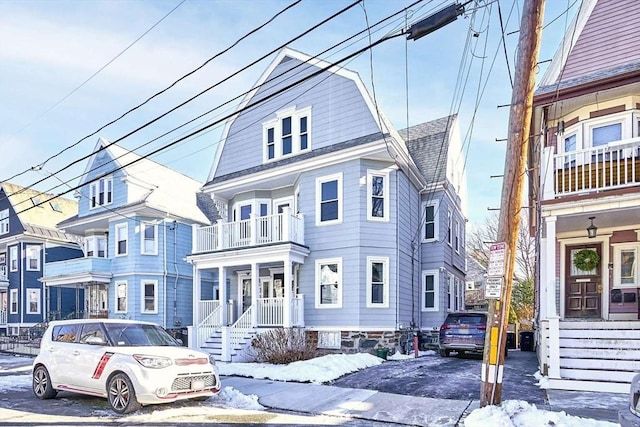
(512, 190)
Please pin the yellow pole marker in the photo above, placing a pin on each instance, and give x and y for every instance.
(493, 354)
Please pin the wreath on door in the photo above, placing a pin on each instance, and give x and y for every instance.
(586, 259)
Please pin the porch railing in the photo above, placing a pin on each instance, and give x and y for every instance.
(210, 322)
(206, 307)
(241, 328)
(282, 227)
(616, 165)
(270, 311)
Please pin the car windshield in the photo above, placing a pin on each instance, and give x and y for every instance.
(138, 334)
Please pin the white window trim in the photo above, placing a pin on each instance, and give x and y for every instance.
(94, 191)
(39, 300)
(13, 297)
(276, 124)
(319, 263)
(436, 290)
(456, 237)
(4, 221)
(155, 296)
(95, 240)
(385, 196)
(120, 226)
(13, 256)
(385, 281)
(28, 257)
(436, 221)
(449, 227)
(143, 227)
(623, 118)
(617, 262)
(319, 181)
(126, 295)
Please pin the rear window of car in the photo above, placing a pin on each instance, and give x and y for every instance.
(466, 319)
(65, 333)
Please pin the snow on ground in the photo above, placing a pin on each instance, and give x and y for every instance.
(512, 413)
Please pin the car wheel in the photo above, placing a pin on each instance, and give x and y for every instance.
(444, 353)
(122, 396)
(42, 387)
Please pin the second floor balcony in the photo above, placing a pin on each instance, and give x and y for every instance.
(255, 231)
(77, 270)
(591, 170)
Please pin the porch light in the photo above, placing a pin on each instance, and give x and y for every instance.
(592, 229)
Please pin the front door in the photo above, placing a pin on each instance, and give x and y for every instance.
(246, 294)
(583, 289)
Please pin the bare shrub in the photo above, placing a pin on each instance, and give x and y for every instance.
(282, 346)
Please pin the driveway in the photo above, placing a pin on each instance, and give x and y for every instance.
(449, 378)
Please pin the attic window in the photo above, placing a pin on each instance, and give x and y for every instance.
(56, 206)
(287, 135)
(37, 201)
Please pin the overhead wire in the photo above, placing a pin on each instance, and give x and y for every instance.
(250, 90)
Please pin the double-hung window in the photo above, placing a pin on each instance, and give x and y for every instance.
(377, 282)
(149, 296)
(430, 222)
(121, 297)
(456, 240)
(329, 199)
(329, 283)
(4, 221)
(33, 301)
(449, 226)
(288, 134)
(13, 258)
(430, 294)
(377, 196)
(95, 246)
(13, 301)
(122, 239)
(626, 273)
(149, 239)
(33, 257)
(101, 192)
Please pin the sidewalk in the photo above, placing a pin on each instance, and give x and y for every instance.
(406, 410)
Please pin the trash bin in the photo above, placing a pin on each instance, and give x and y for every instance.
(382, 353)
(526, 341)
(511, 340)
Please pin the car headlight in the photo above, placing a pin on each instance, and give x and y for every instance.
(212, 360)
(154, 362)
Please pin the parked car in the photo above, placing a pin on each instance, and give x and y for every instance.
(630, 417)
(463, 332)
(131, 363)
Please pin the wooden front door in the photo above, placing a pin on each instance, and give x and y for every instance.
(583, 289)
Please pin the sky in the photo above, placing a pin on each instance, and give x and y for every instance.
(511, 413)
(68, 68)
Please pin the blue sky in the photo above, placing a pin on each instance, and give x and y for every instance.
(49, 48)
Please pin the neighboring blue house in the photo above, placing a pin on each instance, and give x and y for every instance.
(135, 220)
(331, 219)
(29, 239)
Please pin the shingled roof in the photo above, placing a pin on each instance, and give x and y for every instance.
(428, 145)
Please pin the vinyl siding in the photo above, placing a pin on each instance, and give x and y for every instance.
(609, 39)
(338, 114)
(102, 164)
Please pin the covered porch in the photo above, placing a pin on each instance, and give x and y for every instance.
(255, 288)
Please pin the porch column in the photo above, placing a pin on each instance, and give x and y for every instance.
(222, 288)
(286, 309)
(197, 295)
(255, 277)
(550, 281)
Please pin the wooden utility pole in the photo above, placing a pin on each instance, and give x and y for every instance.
(512, 190)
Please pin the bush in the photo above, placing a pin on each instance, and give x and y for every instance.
(282, 346)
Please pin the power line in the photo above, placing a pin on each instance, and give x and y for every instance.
(250, 90)
(84, 83)
(253, 31)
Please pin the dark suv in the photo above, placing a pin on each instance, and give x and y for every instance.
(463, 332)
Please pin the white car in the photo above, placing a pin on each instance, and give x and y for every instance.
(131, 363)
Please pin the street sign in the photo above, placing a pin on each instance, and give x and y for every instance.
(493, 287)
(497, 252)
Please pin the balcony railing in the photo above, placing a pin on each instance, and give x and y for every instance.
(76, 266)
(594, 169)
(282, 227)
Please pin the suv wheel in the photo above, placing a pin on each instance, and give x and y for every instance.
(122, 396)
(42, 387)
(444, 353)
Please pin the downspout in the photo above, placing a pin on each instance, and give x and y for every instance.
(397, 254)
(176, 321)
(21, 288)
(164, 275)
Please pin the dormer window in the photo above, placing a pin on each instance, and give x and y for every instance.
(288, 134)
(101, 192)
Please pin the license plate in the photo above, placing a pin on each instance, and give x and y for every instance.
(463, 331)
(197, 385)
